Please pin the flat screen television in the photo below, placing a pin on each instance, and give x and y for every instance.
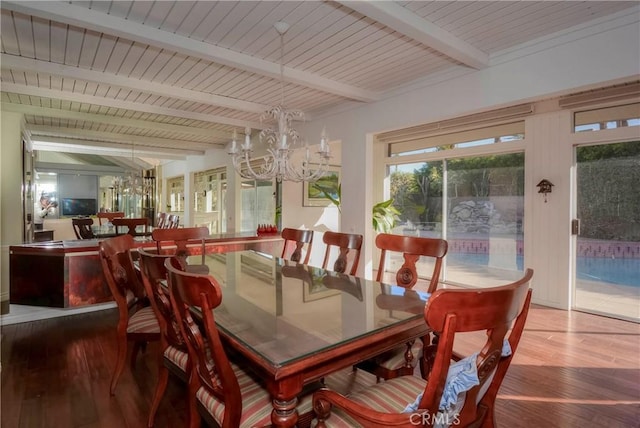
(75, 207)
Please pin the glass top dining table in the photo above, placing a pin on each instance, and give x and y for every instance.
(296, 323)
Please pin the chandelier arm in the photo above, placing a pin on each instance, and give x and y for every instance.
(264, 174)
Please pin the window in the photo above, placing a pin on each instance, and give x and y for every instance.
(209, 190)
(175, 190)
(607, 118)
(463, 139)
(258, 204)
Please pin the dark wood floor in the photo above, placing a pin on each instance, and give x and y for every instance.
(572, 370)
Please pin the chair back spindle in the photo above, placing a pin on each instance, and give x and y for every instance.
(345, 243)
(412, 248)
(294, 242)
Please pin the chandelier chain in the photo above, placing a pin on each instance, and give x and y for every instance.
(282, 69)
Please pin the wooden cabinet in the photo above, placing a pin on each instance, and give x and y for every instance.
(66, 274)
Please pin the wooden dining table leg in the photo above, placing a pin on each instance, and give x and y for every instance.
(284, 395)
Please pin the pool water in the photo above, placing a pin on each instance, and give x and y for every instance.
(616, 271)
(612, 270)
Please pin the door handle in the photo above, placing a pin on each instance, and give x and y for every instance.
(575, 226)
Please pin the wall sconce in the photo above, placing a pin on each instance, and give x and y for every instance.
(545, 187)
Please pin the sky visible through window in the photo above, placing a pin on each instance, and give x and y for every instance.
(607, 125)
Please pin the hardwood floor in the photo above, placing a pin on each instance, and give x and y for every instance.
(571, 370)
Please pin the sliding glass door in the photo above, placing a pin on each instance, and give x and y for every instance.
(476, 204)
(607, 256)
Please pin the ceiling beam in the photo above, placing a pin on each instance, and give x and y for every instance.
(411, 25)
(29, 64)
(72, 145)
(87, 18)
(109, 120)
(127, 105)
(100, 136)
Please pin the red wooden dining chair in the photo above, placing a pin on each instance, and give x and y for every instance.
(221, 392)
(344, 242)
(174, 357)
(82, 228)
(460, 393)
(129, 226)
(107, 217)
(136, 322)
(401, 361)
(294, 242)
(187, 241)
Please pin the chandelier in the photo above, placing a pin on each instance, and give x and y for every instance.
(133, 183)
(280, 142)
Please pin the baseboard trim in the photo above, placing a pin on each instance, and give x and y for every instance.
(22, 313)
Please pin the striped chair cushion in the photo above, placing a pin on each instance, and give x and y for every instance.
(256, 402)
(396, 361)
(177, 357)
(391, 396)
(143, 321)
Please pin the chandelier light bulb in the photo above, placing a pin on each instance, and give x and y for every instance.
(233, 149)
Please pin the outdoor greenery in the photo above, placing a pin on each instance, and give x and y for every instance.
(609, 191)
(418, 195)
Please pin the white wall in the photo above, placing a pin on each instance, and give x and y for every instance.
(10, 196)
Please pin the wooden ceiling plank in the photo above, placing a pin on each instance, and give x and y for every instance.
(41, 32)
(57, 42)
(194, 18)
(89, 49)
(9, 36)
(149, 63)
(24, 32)
(162, 66)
